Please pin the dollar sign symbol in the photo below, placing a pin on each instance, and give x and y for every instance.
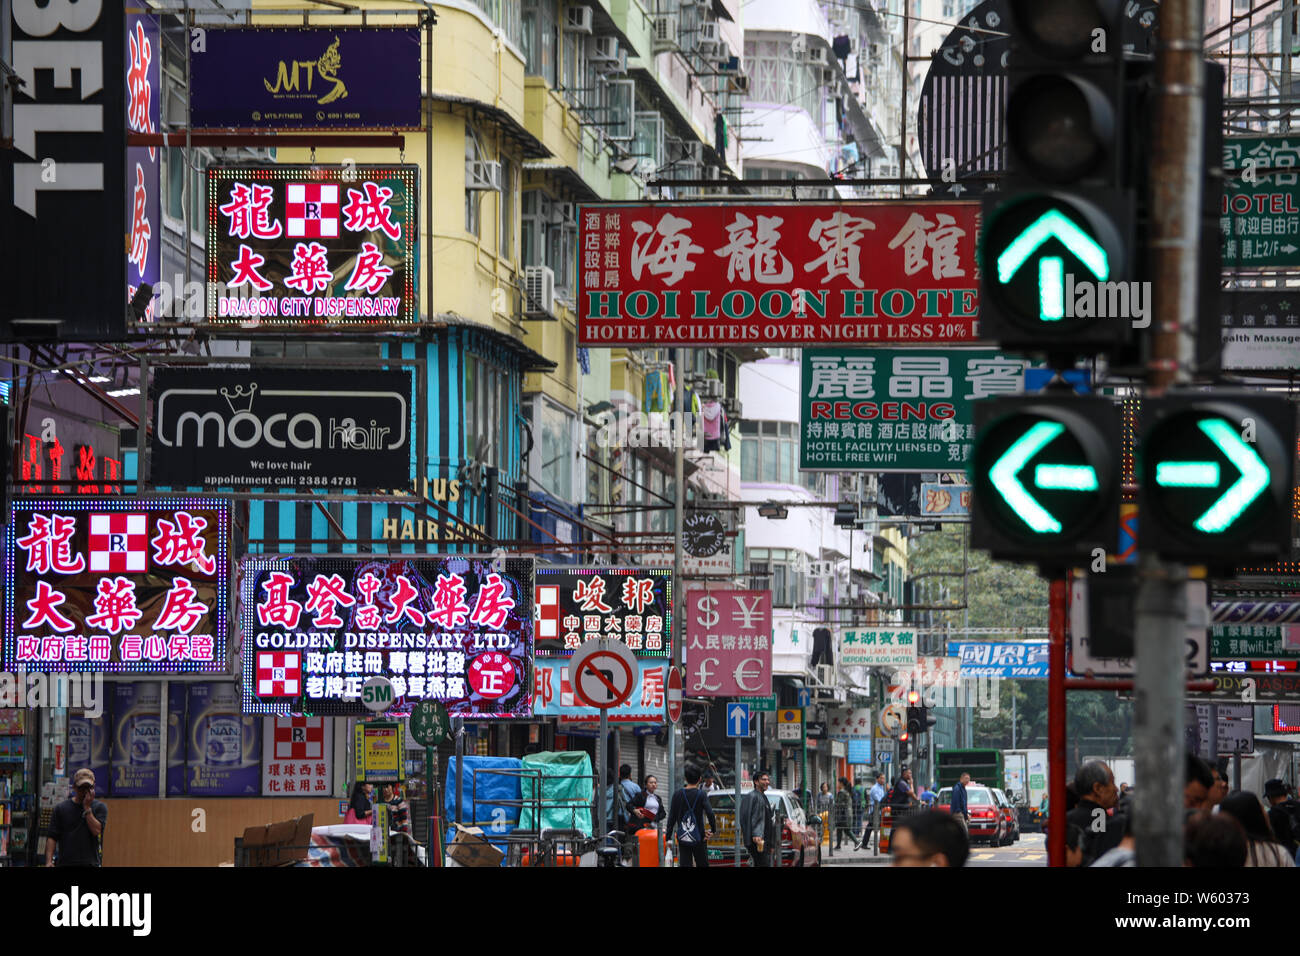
(709, 615)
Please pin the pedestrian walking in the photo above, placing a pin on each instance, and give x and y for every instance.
(360, 807)
(875, 803)
(1095, 785)
(691, 822)
(929, 839)
(1262, 848)
(1283, 815)
(825, 799)
(758, 821)
(618, 796)
(928, 796)
(844, 814)
(859, 801)
(959, 807)
(399, 816)
(646, 808)
(77, 826)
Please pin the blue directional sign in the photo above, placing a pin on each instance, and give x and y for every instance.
(737, 720)
(805, 697)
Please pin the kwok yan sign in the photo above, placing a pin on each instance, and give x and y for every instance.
(312, 246)
(777, 273)
(282, 428)
(116, 584)
(455, 629)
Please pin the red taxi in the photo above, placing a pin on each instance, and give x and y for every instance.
(987, 820)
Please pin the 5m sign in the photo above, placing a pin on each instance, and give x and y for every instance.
(777, 273)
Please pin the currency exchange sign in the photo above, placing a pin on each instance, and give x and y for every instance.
(807, 273)
(896, 409)
(728, 643)
(1260, 215)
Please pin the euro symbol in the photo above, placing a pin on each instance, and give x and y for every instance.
(703, 674)
(743, 675)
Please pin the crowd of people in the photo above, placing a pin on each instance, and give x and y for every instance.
(1221, 829)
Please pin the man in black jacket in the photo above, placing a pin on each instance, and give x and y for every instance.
(1282, 810)
(758, 822)
(77, 825)
(1095, 785)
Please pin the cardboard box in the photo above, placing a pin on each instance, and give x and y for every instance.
(471, 848)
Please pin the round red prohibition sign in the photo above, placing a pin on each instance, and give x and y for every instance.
(603, 677)
(674, 695)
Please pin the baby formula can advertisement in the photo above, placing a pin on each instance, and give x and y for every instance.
(225, 752)
(137, 738)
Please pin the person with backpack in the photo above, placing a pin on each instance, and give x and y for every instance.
(690, 821)
(1283, 815)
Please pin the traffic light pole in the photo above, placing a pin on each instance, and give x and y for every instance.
(1176, 177)
(1056, 611)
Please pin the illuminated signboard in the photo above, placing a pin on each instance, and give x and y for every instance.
(116, 584)
(455, 629)
(553, 695)
(633, 605)
(308, 246)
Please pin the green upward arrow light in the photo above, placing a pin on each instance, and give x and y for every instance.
(1254, 477)
(1051, 285)
(1005, 471)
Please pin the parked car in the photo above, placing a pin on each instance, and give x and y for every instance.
(987, 820)
(1011, 814)
(800, 840)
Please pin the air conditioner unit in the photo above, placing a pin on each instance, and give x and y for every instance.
(562, 212)
(799, 45)
(738, 84)
(483, 174)
(577, 19)
(710, 388)
(827, 76)
(665, 37)
(819, 56)
(707, 39)
(826, 675)
(602, 49)
(539, 284)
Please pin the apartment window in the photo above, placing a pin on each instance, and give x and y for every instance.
(505, 14)
(506, 206)
(539, 32)
(768, 452)
(487, 413)
(553, 427)
(176, 184)
(776, 569)
(472, 196)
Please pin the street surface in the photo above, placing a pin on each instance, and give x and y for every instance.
(1031, 850)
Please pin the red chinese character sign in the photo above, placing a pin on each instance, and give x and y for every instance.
(728, 643)
(778, 273)
(457, 630)
(116, 584)
(143, 86)
(312, 246)
(631, 605)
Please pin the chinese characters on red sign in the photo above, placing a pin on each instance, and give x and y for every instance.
(455, 630)
(553, 695)
(307, 244)
(113, 585)
(728, 643)
(795, 273)
(633, 605)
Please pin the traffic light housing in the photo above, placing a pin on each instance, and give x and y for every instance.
(1067, 209)
(1215, 472)
(903, 749)
(919, 720)
(1045, 476)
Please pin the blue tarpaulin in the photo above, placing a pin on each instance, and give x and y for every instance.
(486, 795)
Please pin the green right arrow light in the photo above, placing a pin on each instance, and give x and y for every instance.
(1254, 476)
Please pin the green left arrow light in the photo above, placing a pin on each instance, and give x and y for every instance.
(1006, 470)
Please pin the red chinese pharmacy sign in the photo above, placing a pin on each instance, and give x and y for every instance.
(795, 273)
(116, 584)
